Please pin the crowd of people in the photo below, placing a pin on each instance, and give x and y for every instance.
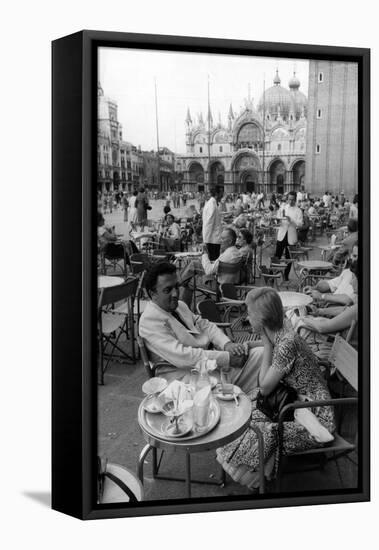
(290, 343)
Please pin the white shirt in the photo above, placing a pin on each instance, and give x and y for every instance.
(343, 284)
(211, 222)
(231, 256)
(353, 213)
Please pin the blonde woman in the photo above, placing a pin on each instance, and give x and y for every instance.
(285, 357)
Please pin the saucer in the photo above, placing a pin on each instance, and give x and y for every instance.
(227, 396)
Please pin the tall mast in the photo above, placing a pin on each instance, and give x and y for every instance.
(157, 128)
(209, 139)
(264, 132)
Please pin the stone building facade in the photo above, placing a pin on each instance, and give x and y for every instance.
(260, 148)
(120, 164)
(332, 129)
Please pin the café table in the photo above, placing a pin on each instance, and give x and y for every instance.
(232, 423)
(106, 281)
(313, 267)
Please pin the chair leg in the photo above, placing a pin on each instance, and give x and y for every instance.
(145, 451)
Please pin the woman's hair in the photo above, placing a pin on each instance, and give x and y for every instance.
(267, 307)
(355, 199)
(248, 237)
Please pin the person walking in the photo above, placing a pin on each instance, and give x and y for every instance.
(287, 233)
(212, 226)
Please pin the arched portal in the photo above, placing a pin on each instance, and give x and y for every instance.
(217, 177)
(277, 177)
(246, 173)
(196, 176)
(298, 175)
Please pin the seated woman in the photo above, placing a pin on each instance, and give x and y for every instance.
(246, 246)
(170, 239)
(286, 357)
(108, 242)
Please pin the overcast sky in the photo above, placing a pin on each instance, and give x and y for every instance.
(127, 76)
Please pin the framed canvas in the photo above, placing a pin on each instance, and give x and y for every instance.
(145, 129)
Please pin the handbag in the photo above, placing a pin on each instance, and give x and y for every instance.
(271, 405)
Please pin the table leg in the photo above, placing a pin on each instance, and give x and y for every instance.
(145, 451)
(188, 474)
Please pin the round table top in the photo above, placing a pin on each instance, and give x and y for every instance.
(105, 281)
(142, 234)
(233, 422)
(294, 299)
(188, 253)
(315, 264)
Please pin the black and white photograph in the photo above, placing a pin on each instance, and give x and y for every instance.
(228, 241)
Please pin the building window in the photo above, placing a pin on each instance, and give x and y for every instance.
(279, 147)
(220, 148)
(318, 149)
(321, 77)
(100, 174)
(201, 149)
(319, 113)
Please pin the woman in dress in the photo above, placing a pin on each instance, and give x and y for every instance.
(286, 357)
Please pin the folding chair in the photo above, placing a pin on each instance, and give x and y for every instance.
(344, 361)
(113, 322)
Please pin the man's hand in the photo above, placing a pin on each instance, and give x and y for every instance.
(237, 360)
(234, 349)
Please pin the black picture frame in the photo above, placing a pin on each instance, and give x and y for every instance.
(74, 390)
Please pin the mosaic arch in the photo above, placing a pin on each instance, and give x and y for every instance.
(249, 134)
(246, 173)
(277, 174)
(298, 175)
(218, 176)
(196, 174)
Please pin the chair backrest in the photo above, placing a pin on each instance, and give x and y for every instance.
(230, 272)
(139, 262)
(145, 357)
(345, 359)
(118, 293)
(228, 290)
(209, 310)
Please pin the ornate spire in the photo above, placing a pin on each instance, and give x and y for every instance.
(188, 118)
(201, 120)
(230, 114)
(277, 80)
(210, 117)
(99, 89)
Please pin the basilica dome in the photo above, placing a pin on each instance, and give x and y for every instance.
(276, 100)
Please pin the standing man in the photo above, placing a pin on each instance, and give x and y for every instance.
(287, 233)
(212, 226)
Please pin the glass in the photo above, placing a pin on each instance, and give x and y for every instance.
(226, 380)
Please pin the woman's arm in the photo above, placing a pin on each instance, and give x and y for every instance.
(340, 322)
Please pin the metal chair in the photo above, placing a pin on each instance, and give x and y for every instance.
(344, 361)
(114, 321)
(118, 484)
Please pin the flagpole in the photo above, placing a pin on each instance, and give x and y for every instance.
(157, 129)
(264, 132)
(209, 139)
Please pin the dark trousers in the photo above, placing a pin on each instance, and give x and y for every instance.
(213, 251)
(282, 246)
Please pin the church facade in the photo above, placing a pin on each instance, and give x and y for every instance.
(260, 148)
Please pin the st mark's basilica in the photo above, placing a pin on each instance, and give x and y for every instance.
(261, 148)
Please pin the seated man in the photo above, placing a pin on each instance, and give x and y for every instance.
(340, 255)
(341, 290)
(172, 333)
(229, 254)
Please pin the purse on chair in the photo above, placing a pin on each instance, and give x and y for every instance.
(271, 405)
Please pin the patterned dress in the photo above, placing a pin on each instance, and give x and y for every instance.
(293, 358)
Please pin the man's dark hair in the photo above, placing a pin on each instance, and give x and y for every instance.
(247, 235)
(212, 191)
(352, 226)
(100, 218)
(292, 193)
(232, 234)
(355, 199)
(160, 268)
